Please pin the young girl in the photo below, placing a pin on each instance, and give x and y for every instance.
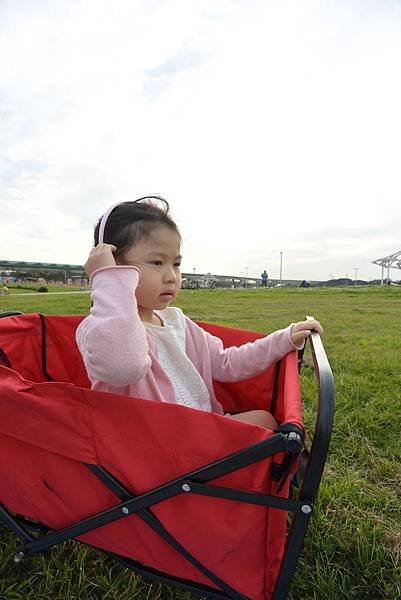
(133, 343)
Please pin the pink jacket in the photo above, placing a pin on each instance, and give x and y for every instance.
(120, 355)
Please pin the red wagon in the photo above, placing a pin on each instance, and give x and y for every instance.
(186, 497)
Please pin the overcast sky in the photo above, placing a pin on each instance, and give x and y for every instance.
(271, 125)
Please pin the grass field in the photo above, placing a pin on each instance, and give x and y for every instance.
(353, 546)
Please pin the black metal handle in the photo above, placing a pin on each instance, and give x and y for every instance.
(324, 419)
(10, 313)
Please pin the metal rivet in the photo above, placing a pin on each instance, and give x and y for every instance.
(125, 510)
(186, 487)
(306, 509)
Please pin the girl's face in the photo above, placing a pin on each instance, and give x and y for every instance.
(159, 260)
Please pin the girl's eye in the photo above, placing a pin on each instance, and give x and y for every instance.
(177, 265)
(158, 263)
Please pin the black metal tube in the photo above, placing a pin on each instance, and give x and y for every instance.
(18, 528)
(243, 496)
(292, 551)
(324, 421)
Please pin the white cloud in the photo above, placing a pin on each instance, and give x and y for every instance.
(265, 124)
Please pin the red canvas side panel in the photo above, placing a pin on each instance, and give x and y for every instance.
(53, 416)
(256, 392)
(20, 340)
(289, 405)
(275, 540)
(252, 393)
(64, 360)
(47, 487)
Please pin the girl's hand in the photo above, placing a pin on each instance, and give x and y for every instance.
(100, 256)
(300, 331)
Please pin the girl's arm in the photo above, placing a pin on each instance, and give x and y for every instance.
(112, 338)
(248, 360)
(238, 363)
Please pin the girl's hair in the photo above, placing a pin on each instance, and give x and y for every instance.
(129, 222)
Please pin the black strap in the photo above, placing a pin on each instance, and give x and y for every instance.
(10, 313)
(282, 471)
(298, 476)
(275, 388)
(301, 357)
(44, 365)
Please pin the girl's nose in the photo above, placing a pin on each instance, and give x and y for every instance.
(170, 275)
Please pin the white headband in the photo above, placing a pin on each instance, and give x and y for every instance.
(104, 221)
(110, 210)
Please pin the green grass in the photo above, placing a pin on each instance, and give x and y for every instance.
(353, 545)
(31, 287)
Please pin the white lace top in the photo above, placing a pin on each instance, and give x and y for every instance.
(190, 389)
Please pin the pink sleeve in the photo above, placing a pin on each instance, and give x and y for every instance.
(238, 363)
(112, 338)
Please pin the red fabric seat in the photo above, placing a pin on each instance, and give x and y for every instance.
(49, 428)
